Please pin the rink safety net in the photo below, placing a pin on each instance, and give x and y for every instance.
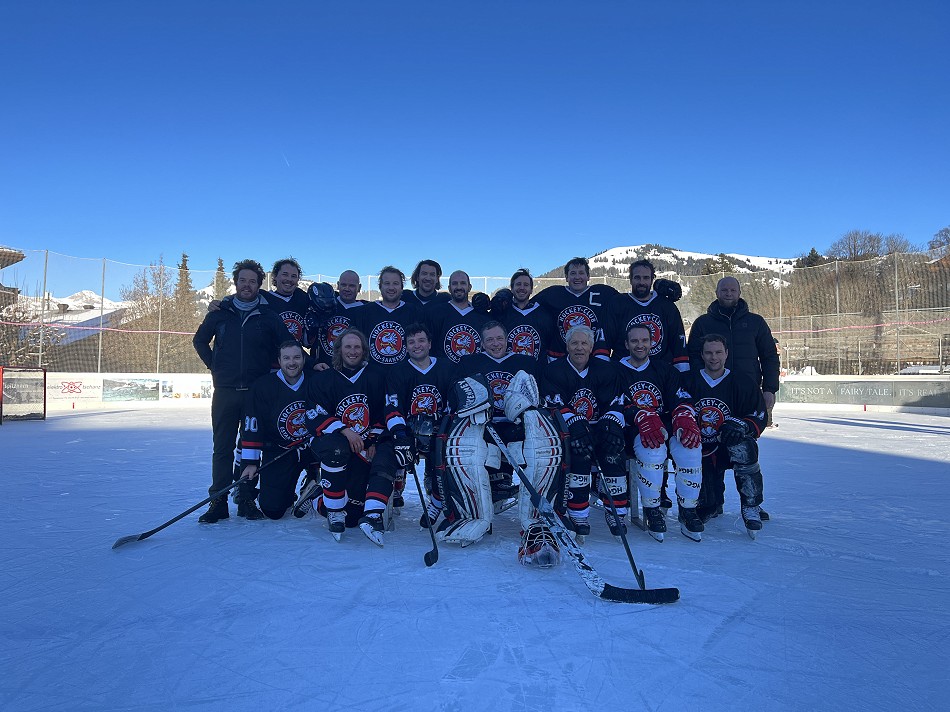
(881, 316)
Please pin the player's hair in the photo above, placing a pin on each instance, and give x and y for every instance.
(639, 326)
(492, 324)
(286, 261)
(389, 269)
(580, 329)
(252, 265)
(414, 279)
(715, 337)
(338, 347)
(522, 272)
(290, 343)
(577, 261)
(643, 263)
(418, 328)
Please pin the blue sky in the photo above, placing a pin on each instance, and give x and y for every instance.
(488, 135)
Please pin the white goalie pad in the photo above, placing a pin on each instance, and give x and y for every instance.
(469, 490)
(543, 452)
(522, 394)
(471, 398)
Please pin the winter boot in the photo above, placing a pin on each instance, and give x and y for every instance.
(217, 510)
(247, 508)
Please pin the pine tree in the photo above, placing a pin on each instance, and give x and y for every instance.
(221, 284)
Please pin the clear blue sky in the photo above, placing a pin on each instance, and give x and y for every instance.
(487, 134)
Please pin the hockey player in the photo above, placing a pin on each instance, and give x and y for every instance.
(384, 322)
(661, 415)
(732, 415)
(426, 283)
(289, 300)
(578, 304)
(326, 322)
(455, 324)
(587, 392)
(246, 334)
(418, 390)
(274, 423)
(359, 448)
(529, 324)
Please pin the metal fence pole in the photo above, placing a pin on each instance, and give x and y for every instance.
(161, 301)
(897, 313)
(838, 314)
(39, 358)
(102, 306)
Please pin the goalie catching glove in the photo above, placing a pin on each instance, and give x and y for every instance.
(403, 443)
(650, 427)
(733, 431)
(685, 427)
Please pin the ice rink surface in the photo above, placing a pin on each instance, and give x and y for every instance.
(843, 602)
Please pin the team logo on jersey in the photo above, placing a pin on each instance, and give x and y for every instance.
(290, 422)
(294, 323)
(645, 395)
(460, 341)
(575, 315)
(331, 331)
(425, 400)
(524, 339)
(498, 382)
(712, 413)
(653, 323)
(353, 411)
(584, 403)
(387, 342)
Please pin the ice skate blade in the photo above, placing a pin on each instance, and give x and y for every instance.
(656, 535)
(752, 533)
(694, 536)
(337, 536)
(371, 534)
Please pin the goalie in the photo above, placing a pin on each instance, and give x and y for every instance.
(464, 456)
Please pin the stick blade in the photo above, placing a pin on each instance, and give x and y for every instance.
(650, 596)
(125, 540)
(430, 557)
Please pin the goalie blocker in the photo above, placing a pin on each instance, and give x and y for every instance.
(464, 454)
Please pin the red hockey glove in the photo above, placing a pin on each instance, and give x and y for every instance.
(652, 432)
(685, 427)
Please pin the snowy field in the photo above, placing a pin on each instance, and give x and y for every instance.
(843, 602)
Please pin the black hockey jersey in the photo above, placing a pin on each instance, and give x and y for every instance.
(413, 391)
(385, 330)
(356, 401)
(275, 414)
(455, 333)
(344, 317)
(291, 309)
(412, 297)
(654, 386)
(661, 317)
(529, 330)
(591, 394)
(589, 308)
(734, 395)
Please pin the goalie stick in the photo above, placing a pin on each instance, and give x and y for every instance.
(433, 555)
(591, 578)
(220, 493)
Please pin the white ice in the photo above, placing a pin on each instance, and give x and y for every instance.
(843, 602)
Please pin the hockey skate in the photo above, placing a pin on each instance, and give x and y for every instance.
(336, 523)
(371, 524)
(690, 524)
(308, 493)
(656, 522)
(752, 519)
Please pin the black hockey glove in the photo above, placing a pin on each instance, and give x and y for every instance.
(610, 436)
(501, 302)
(668, 289)
(733, 431)
(581, 443)
(403, 446)
(480, 302)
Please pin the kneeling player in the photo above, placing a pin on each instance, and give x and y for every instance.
(273, 424)
(655, 406)
(732, 415)
(359, 455)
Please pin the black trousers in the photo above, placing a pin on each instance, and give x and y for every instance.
(227, 412)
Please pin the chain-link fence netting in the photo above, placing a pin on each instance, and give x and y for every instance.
(881, 316)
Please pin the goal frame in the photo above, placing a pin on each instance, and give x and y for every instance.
(4, 411)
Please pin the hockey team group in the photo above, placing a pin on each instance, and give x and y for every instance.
(584, 391)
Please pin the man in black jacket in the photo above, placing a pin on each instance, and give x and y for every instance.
(247, 334)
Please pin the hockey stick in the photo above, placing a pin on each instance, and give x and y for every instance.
(220, 493)
(623, 536)
(591, 578)
(431, 556)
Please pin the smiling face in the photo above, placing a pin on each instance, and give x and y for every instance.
(428, 280)
(521, 290)
(247, 286)
(579, 348)
(351, 350)
(418, 345)
(727, 292)
(459, 286)
(641, 282)
(390, 288)
(638, 344)
(348, 286)
(291, 362)
(495, 342)
(286, 279)
(714, 355)
(578, 277)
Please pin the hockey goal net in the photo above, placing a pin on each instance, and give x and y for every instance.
(22, 393)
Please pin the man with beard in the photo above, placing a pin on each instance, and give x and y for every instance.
(529, 324)
(384, 322)
(289, 300)
(246, 333)
(578, 303)
(732, 415)
(273, 424)
(455, 323)
(426, 283)
(660, 415)
(587, 391)
(359, 444)
(324, 328)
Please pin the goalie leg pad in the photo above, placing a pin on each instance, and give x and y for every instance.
(542, 450)
(467, 491)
